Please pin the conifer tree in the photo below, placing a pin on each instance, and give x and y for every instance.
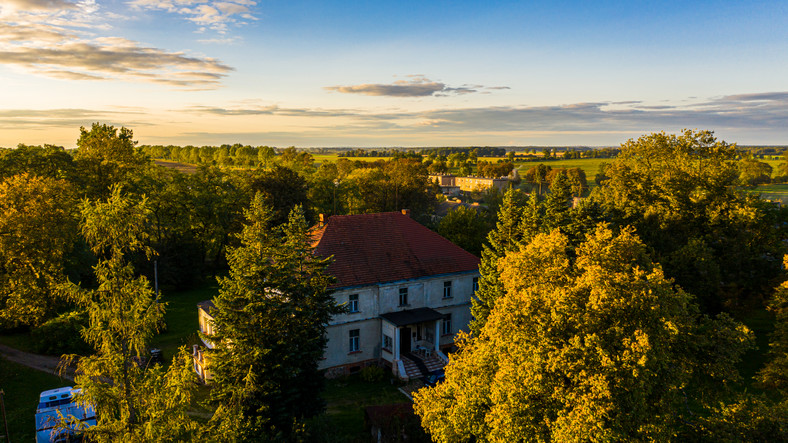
(270, 319)
(505, 237)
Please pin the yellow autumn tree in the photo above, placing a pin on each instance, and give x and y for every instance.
(38, 228)
(590, 344)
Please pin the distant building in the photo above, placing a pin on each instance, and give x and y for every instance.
(451, 184)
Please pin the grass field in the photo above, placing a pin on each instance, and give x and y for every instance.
(773, 192)
(589, 165)
(22, 387)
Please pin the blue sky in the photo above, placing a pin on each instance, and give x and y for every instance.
(309, 73)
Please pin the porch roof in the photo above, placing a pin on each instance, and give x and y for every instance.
(411, 316)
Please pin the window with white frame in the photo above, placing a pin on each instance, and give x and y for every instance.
(447, 289)
(354, 335)
(388, 344)
(352, 303)
(403, 296)
(446, 325)
(475, 284)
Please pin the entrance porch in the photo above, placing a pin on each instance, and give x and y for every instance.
(411, 339)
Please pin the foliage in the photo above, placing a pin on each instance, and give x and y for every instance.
(372, 374)
(775, 374)
(46, 161)
(282, 189)
(464, 227)
(37, 232)
(106, 156)
(504, 238)
(270, 317)
(680, 192)
(62, 335)
(753, 172)
(132, 402)
(592, 345)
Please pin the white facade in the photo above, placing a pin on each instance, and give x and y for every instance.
(358, 337)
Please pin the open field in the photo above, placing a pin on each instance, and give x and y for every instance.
(22, 387)
(589, 165)
(773, 192)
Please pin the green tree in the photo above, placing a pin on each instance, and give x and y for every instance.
(504, 238)
(681, 193)
(464, 227)
(106, 156)
(270, 319)
(47, 161)
(590, 345)
(132, 402)
(775, 374)
(753, 172)
(537, 175)
(38, 228)
(283, 188)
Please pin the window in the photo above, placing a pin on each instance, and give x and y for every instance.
(387, 343)
(475, 284)
(354, 335)
(352, 303)
(447, 289)
(403, 296)
(446, 325)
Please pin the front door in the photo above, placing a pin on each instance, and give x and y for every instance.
(404, 340)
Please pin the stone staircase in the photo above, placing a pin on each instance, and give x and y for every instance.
(412, 369)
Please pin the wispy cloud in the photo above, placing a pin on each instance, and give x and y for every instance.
(57, 39)
(215, 15)
(768, 111)
(418, 86)
(745, 118)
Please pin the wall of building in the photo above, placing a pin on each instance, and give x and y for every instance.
(384, 298)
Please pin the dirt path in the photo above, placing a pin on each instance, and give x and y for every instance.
(45, 363)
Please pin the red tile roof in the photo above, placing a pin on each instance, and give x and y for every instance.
(386, 247)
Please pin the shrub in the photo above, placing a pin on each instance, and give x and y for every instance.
(61, 335)
(372, 374)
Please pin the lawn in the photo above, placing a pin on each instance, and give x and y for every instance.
(22, 387)
(346, 399)
(181, 319)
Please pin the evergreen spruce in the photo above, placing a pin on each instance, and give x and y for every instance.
(270, 318)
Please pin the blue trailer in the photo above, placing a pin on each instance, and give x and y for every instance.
(59, 418)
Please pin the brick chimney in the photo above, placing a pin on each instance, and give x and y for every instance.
(406, 212)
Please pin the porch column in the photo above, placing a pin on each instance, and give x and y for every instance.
(437, 336)
(396, 344)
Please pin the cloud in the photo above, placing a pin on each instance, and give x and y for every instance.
(215, 15)
(59, 52)
(737, 112)
(418, 86)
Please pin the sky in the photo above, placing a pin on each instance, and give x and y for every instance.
(387, 74)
